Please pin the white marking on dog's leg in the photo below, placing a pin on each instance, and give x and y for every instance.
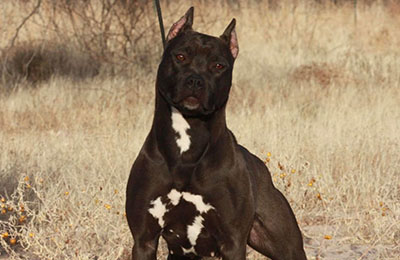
(197, 200)
(158, 211)
(174, 196)
(180, 125)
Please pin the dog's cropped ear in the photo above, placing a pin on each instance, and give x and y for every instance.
(184, 24)
(230, 38)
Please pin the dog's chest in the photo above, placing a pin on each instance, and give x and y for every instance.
(187, 222)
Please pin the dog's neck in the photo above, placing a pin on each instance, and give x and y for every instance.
(184, 139)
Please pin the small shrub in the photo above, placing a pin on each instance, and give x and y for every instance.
(37, 63)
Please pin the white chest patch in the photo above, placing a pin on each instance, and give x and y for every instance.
(180, 125)
(158, 209)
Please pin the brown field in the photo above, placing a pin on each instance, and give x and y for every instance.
(316, 94)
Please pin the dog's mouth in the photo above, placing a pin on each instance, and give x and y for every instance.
(191, 103)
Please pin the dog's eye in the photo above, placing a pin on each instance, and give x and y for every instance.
(219, 66)
(180, 57)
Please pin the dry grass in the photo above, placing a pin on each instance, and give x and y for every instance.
(314, 95)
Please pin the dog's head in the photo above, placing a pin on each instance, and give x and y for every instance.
(195, 74)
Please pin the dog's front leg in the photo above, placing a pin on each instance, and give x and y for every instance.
(145, 250)
(233, 251)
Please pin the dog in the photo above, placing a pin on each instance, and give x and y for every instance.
(192, 183)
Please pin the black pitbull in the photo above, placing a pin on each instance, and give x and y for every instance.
(192, 183)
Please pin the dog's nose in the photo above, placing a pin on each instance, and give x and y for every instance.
(195, 82)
